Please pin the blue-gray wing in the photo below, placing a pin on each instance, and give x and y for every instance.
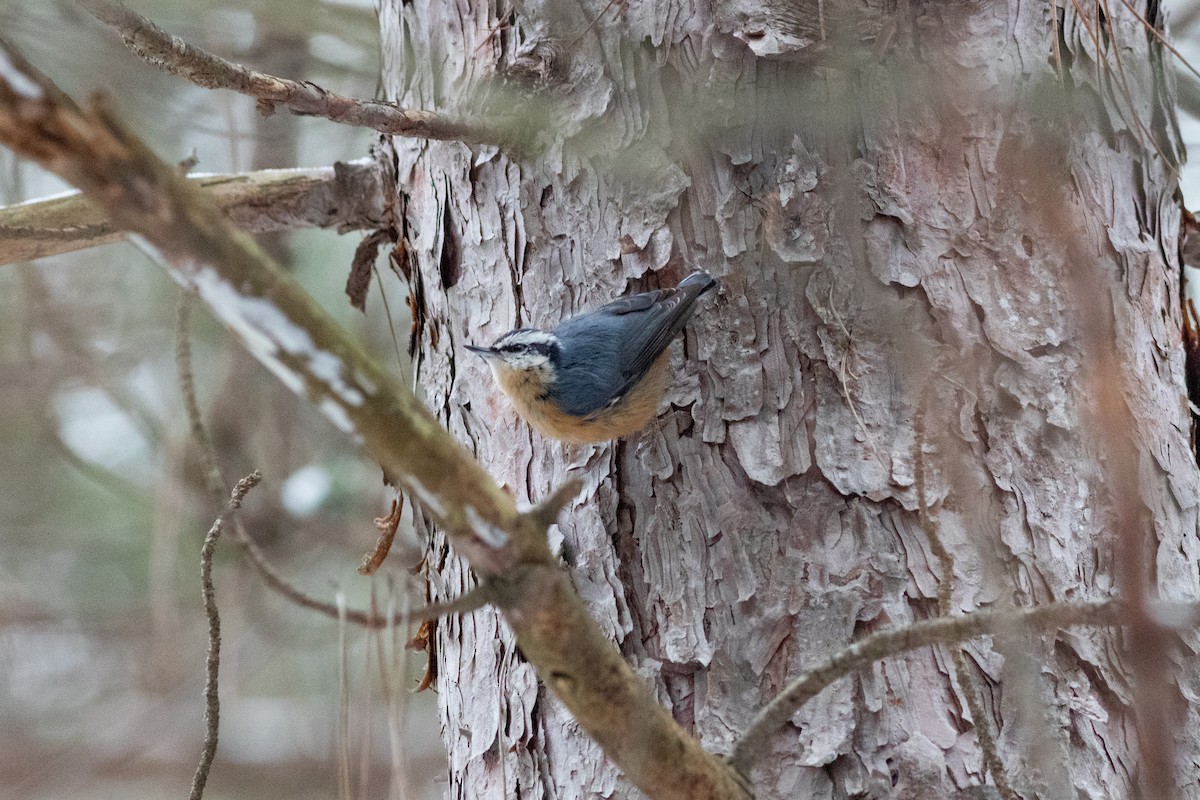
(606, 352)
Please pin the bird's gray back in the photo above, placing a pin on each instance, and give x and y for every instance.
(604, 353)
(590, 364)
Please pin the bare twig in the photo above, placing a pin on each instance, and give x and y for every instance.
(893, 641)
(595, 19)
(1133, 120)
(212, 666)
(547, 512)
(1162, 40)
(465, 603)
(215, 479)
(172, 54)
(346, 196)
(290, 334)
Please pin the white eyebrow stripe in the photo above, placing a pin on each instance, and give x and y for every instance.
(526, 337)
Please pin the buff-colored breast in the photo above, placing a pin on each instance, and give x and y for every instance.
(629, 416)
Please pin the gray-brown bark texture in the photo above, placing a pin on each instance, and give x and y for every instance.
(909, 206)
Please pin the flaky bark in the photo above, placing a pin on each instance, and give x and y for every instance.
(923, 208)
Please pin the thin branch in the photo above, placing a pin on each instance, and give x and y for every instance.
(571, 44)
(215, 480)
(212, 664)
(170, 53)
(893, 641)
(1134, 120)
(1162, 40)
(346, 196)
(110, 481)
(289, 333)
(401, 362)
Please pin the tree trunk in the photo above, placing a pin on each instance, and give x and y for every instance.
(918, 215)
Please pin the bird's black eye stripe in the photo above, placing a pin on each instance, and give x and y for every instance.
(541, 348)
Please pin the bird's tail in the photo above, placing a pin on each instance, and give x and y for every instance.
(698, 283)
(690, 288)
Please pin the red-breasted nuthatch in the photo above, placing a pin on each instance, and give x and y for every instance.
(601, 374)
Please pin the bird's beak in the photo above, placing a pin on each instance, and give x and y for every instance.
(486, 352)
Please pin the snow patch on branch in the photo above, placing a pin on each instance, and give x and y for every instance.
(336, 414)
(18, 80)
(268, 332)
(488, 533)
(327, 367)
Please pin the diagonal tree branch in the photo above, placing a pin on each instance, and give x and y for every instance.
(346, 196)
(172, 54)
(291, 335)
(217, 485)
(938, 631)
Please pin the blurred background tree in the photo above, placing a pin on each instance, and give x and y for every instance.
(103, 507)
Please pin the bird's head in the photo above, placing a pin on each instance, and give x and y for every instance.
(524, 355)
